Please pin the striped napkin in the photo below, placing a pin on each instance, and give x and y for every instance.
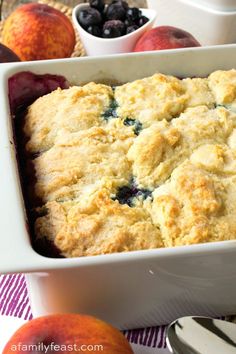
(15, 310)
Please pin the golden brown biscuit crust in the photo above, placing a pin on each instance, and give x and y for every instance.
(195, 206)
(150, 164)
(97, 226)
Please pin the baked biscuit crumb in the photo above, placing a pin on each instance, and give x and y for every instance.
(195, 206)
(97, 226)
(83, 162)
(161, 97)
(159, 149)
(62, 111)
(223, 85)
(151, 99)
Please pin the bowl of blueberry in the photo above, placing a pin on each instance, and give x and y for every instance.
(111, 28)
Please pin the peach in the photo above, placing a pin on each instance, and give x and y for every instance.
(66, 333)
(165, 37)
(37, 31)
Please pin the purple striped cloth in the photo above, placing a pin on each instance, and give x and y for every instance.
(14, 301)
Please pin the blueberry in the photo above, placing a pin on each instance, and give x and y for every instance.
(110, 112)
(95, 31)
(113, 28)
(123, 3)
(135, 123)
(142, 21)
(128, 22)
(133, 14)
(127, 194)
(89, 17)
(129, 122)
(116, 11)
(97, 4)
(132, 28)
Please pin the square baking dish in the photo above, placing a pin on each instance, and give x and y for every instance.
(133, 289)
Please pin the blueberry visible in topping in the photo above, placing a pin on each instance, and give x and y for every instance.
(113, 29)
(142, 21)
(97, 4)
(145, 193)
(221, 105)
(131, 29)
(89, 17)
(129, 121)
(126, 194)
(133, 14)
(116, 11)
(111, 111)
(137, 128)
(134, 122)
(95, 31)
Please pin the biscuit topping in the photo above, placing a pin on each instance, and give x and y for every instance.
(161, 174)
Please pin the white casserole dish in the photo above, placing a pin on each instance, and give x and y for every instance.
(135, 289)
(210, 25)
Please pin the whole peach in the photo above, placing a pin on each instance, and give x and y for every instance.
(67, 333)
(37, 31)
(165, 37)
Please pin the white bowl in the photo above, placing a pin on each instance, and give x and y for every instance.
(100, 46)
(131, 289)
(210, 25)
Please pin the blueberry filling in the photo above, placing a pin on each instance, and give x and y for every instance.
(25, 87)
(111, 110)
(43, 211)
(127, 194)
(135, 123)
